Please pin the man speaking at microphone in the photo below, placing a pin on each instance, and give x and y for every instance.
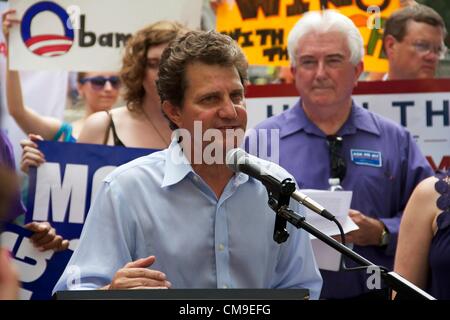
(180, 218)
(327, 135)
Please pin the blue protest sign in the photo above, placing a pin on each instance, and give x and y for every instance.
(60, 192)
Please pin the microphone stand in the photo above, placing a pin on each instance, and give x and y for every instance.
(277, 190)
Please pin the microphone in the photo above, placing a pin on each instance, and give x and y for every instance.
(268, 173)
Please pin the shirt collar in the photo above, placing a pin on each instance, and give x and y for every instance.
(177, 166)
(360, 119)
(296, 120)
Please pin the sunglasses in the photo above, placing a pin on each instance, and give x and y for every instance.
(338, 165)
(98, 83)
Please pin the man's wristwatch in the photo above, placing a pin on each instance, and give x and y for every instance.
(385, 237)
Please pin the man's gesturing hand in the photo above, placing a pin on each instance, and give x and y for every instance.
(135, 275)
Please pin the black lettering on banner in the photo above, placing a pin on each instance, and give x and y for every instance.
(297, 8)
(403, 105)
(336, 3)
(121, 39)
(89, 38)
(237, 35)
(280, 52)
(249, 8)
(106, 40)
(269, 111)
(86, 39)
(364, 7)
(444, 113)
(276, 36)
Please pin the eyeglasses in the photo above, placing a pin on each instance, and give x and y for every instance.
(424, 48)
(98, 83)
(337, 162)
(334, 61)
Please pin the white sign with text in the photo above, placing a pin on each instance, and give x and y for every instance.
(86, 35)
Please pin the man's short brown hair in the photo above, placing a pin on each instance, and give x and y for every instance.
(396, 25)
(209, 47)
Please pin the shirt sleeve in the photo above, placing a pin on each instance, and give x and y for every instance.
(104, 245)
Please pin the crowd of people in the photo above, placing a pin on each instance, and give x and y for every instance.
(138, 232)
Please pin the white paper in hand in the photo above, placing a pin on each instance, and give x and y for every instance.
(338, 203)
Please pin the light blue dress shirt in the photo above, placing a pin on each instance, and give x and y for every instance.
(156, 206)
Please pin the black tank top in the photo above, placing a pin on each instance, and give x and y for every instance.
(112, 127)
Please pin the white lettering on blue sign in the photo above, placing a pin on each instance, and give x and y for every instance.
(59, 192)
(366, 158)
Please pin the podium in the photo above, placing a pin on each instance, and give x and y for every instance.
(185, 294)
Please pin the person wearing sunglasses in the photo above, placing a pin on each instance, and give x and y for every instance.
(98, 83)
(140, 123)
(327, 135)
(413, 41)
(96, 97)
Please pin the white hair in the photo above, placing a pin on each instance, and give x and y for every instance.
(324, 22)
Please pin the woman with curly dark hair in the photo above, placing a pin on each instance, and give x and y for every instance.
(140, 123)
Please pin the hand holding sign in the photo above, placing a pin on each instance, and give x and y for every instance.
(31, 155)
(8, 21)
(45, 237)
(135, 275)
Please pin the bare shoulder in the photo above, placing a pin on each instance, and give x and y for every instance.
(120, 113)
(425, 189)
(94, 128)
(422, 203)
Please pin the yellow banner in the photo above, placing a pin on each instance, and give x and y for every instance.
(261, 27)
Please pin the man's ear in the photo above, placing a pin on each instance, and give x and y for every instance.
(293, 71)
(172, 112)
(389, 43)
(359, 68)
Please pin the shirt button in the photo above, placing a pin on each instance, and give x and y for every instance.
(221, 247)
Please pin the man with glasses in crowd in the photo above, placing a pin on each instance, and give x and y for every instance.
(414, 43)
(326, 135)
